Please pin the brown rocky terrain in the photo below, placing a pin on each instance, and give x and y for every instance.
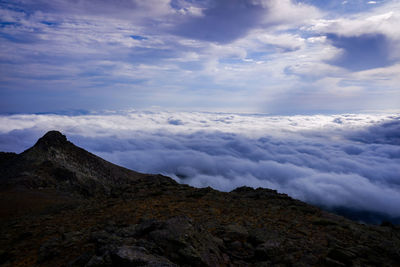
(63, 206)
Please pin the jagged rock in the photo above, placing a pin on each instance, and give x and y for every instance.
(99, 261)
(234, 232)
(341, 255)
(50, 139)
(269, 250)
(178, 239)
(328, 262)
(81, 261)
(138, 256)
(185, 242)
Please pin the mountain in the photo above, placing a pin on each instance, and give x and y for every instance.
(63, 206)
(54, 162)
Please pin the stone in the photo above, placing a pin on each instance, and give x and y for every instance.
(235, 232)
(138, 256)
(341, 255)
(82, 260)
(268, 250)
(99, 261)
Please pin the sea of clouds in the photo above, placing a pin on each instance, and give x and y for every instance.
(335, 161)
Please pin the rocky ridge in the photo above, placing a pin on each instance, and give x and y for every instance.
(63, 206)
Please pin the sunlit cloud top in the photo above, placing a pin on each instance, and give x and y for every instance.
(265, 56)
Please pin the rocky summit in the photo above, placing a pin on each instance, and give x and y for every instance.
(63, 206)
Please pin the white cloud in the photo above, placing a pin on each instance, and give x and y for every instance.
(282, 41)
(383, 20)
(287, 12)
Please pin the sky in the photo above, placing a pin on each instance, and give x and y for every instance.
(279, 57)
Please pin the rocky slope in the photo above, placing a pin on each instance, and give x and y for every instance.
(63, 206)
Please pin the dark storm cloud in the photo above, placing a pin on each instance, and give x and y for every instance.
(223, 21)
(362, 52)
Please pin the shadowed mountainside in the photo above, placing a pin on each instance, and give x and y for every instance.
(63, 206)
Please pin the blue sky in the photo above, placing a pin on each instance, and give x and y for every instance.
(260, 56)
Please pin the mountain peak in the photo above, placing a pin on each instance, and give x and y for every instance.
(52, 138)
(56, 162)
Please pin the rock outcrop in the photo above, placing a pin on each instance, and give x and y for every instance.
(63, 206)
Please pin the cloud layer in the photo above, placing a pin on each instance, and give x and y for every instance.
(341, 161)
